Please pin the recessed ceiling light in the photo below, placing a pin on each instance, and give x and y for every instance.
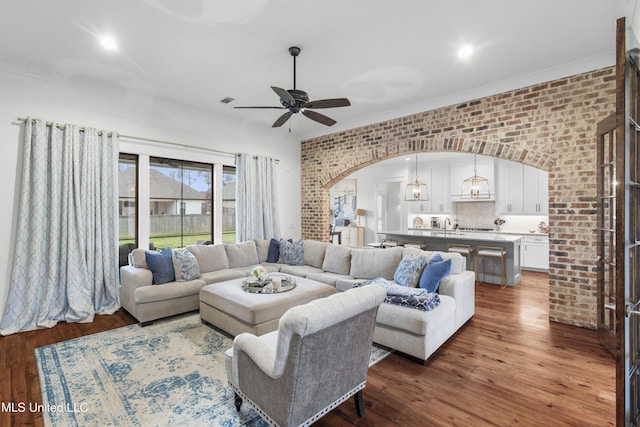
(465, 51)
(108, 43)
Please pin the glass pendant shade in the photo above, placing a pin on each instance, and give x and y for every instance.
(475, 187)
(416, 191)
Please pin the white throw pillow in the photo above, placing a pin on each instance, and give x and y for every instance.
(185, 265)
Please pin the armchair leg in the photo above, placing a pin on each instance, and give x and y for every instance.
(237, 400)
(359, 403)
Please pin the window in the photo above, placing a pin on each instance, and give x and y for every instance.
(181, 201)
(229, 204)
(127, 192)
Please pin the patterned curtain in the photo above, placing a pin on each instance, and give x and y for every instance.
(66, 264)
(256, 198)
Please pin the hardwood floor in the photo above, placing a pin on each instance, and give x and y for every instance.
(508, 365)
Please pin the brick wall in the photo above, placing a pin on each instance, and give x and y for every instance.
(550, 126)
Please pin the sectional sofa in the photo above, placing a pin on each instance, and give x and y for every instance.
(414, 332)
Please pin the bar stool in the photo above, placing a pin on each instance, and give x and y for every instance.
(388, 243)
(492, 252)
(415, 244)
(464, 250)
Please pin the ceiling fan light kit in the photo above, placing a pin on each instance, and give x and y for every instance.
(297, 101)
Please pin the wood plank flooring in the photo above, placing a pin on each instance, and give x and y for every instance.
(509, 365)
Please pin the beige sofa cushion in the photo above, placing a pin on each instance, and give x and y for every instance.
(242, 254)
(137, 258)
(337, 259)
(210, 257)
(373, 263)
(262, 246)
(313, 252)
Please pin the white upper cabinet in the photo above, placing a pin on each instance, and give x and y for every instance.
(536, 190)
(438, 185)
(463, 168)
(521, 189)
(509, 184)
(440, 189)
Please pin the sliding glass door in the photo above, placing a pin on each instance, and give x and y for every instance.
(180, 202)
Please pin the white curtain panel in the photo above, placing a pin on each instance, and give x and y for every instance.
(256, 198)
(65, 265)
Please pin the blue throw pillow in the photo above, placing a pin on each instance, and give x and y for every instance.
(408, 270)
(274, 251)
(161, 266)
(435, 271)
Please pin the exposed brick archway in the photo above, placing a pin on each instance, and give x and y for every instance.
(551, 126)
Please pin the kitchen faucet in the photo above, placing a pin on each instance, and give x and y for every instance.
(445, 225)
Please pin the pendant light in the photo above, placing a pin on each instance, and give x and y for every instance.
(416, 191)
(475, 187)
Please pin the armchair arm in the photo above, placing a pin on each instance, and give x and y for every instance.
(261, 350)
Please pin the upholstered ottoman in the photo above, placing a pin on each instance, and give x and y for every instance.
(227, 307)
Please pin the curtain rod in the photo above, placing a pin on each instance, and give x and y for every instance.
(139, 138)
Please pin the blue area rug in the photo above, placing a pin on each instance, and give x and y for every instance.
(168, 373)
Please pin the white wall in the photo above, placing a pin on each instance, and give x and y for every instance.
(130, 115)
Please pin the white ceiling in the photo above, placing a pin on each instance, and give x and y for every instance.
(390, 58)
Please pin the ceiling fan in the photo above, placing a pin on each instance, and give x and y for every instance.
(297, 101)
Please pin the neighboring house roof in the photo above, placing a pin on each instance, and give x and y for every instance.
(162, 186)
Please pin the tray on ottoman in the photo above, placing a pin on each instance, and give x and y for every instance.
(228, 307)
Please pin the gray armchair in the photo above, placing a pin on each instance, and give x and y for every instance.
(317, 359)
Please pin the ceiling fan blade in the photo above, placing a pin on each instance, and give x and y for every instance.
(276, 108)
(284, 95)
(320, 118)
(328, 103)
(282, 119)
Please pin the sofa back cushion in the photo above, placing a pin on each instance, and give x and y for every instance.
(210, 257)
(337, 259)
(313, 252)
(242, 254)
(137, 258)
(262, 246)
(374, 263)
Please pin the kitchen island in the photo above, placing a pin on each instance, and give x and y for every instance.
(437, 240)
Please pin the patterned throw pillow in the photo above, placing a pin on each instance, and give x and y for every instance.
(435, 271)
(291, 253)
(161, 266)
(408, 270)
(185, 265)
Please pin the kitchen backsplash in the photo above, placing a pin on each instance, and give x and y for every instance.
(481, 215)
(476, 214)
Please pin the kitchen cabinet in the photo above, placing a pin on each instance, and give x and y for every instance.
(438, 185)
(535, 252)
(536, 190)
(462, 169)
(440, 189)
(521, 189)
(351, 236)
(509, 187)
